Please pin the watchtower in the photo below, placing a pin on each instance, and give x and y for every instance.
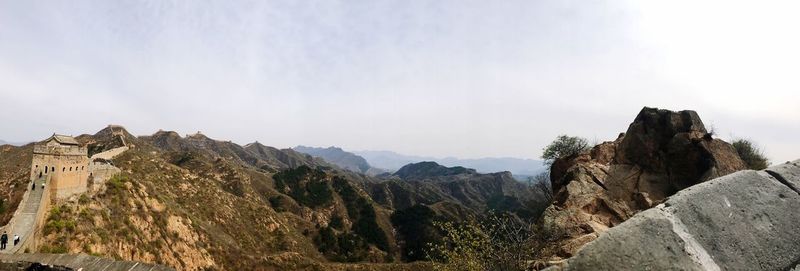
(66, 160)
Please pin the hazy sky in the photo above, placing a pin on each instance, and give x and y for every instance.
(439, 78)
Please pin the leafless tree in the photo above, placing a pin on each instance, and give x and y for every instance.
(541, 184)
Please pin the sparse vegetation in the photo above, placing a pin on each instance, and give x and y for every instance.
(416, 228)
(59, 220)
(305, 185)
(564, 146)
(360, 210)
(499, 241)
(752, 156)
(541, 183)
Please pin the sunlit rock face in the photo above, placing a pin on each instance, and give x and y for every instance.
(661, 153)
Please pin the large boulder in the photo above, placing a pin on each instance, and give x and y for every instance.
(661, 153)
(742, 221)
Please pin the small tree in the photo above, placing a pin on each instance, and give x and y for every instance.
(752, 156)
(541, 184)
(564, 146)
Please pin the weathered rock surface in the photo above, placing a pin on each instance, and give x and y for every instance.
(743, 221)
(661, 153)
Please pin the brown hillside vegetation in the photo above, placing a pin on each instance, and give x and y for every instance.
(195, 203)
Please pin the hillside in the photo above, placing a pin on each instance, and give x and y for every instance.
(15, 167)
(196, 203)
(341, 158)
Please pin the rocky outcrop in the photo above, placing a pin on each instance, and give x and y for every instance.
(661, 153)
(430, 171)
(742, 221)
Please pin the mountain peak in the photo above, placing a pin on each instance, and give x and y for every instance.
(339, 157)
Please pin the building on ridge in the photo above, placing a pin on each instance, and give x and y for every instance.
(65, 162)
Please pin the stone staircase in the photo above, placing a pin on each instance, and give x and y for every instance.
(31, 211)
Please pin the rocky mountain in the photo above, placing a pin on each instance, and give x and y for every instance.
(393, 161)
(430, 183)
(196, 203)
(431, 171)
(661, 153)
(341, 158)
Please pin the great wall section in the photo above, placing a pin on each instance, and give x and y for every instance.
(60, 169)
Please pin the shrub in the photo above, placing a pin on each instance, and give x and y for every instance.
(83, 199)
(496, 242)
(564, 146)
(337, 222)
(345, 247)
(415, 227)
(305, 185)
(277, 203)
(752, 156)
(117, 182)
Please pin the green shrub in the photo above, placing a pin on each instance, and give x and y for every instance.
(84, 199)
(752, 156)
(564, 146)
(345, 247)
(305, 185)
(117, 182)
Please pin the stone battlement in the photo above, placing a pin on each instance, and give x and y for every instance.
(70, 150)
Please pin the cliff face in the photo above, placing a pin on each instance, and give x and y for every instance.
(661, 153)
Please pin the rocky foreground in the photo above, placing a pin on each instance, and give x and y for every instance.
(662, 153)
(742, 221)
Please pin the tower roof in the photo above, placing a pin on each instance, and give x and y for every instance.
(63, 139)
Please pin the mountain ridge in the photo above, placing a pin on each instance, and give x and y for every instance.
(197, 203)
(392, 161)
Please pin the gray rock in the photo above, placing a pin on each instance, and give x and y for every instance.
(644, 242)
(788, 172)
(746, 220)
(743, 221)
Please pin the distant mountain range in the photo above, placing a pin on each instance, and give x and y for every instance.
(392, 161)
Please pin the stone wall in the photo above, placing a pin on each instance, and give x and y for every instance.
(100, 173)
(69, 173)
(747, 220)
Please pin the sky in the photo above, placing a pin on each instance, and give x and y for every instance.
(438, 78)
